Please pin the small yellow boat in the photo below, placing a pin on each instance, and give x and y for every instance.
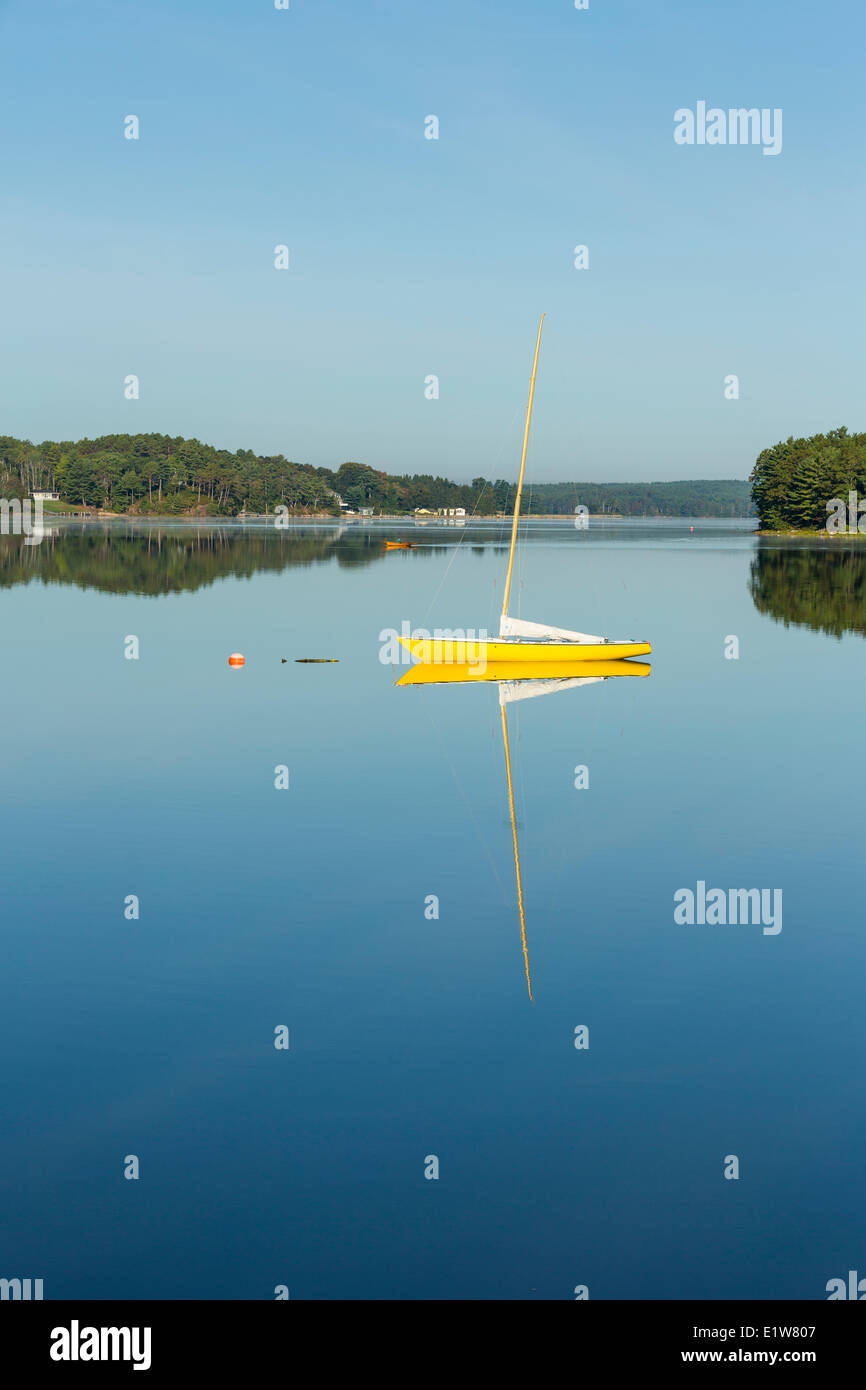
(399, 545)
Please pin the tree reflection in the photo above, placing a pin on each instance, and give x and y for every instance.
(134, 559)
(818, 586)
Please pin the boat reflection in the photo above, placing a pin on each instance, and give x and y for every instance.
(535, 678)
(520, 681)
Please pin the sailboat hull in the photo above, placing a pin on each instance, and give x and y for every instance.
(499, 651)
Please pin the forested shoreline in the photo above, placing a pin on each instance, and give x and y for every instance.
(799, 483)
(160, 475)
(789, 488)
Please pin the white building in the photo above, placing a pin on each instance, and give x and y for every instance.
(46, 497)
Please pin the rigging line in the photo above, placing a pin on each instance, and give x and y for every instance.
(499, 452)
(454, 550)
(468, 806)
(492, 611)
(520, 768)
(523, 543)
(507, 591)
(583, 854)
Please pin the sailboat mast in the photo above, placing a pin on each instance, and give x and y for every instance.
(522, 467)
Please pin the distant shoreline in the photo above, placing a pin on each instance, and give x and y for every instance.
(403, 518)
(822, 535)
(146, 474)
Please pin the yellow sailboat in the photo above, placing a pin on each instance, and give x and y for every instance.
(535, 644)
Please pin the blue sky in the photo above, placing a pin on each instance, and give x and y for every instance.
(412, 256)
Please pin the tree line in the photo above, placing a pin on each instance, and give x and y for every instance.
(793, 481)
(160, 475)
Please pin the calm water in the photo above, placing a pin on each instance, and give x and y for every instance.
(413, 1036)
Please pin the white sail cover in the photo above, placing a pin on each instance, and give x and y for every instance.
(527, 690)
(516, 627)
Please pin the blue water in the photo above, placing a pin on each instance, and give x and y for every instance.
(413, 1036)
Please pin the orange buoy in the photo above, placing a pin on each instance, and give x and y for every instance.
(236, 659)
